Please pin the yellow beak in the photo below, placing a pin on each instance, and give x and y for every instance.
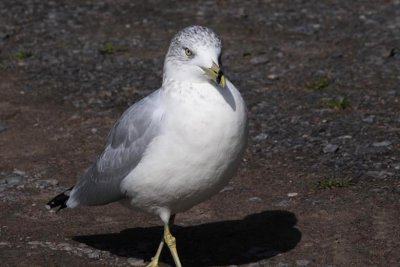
(215, 74)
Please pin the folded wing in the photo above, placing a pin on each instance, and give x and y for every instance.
(127, 141)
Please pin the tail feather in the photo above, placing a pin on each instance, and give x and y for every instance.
(59, 200)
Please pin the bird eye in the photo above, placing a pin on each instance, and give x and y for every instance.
(188, 52)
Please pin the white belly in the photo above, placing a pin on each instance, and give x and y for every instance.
(198, 152)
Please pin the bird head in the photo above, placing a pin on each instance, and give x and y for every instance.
(195, 55)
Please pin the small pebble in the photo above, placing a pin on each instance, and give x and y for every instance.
(382, 144)
(396, 166)
(21, 186)
(330, 148)
(12, 179)
(260, 137)
(255, 199)
(46, 183)
(379, 174)
(86, 250)
(259, 60)
(226, 188)
(75, 117)
(94, 255)
(273, 77)
(282, 204)
(36, 244)
(302, 262)
(19, 172)
(292, 194)
(64, 246)
(391, 52)
(2, 244)
(135, 262)
(369, 119)
(2, 127)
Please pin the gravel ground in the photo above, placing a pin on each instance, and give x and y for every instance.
(320, 182)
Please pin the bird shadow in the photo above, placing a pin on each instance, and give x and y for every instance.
(256, 237)
(227, 95)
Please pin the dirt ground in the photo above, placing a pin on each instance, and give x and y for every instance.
(320, 181)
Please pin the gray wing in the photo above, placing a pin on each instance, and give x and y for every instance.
(127, 141)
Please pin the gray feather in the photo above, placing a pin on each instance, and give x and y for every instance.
(127, 142)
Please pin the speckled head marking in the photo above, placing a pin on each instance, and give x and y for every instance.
(194, 56)
(193, 37)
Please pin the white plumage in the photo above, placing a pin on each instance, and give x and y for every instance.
(178, 146)
(199, 149)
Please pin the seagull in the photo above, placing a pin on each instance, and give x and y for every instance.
(174, 148)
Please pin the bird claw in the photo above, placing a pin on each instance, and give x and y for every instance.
(153, 263)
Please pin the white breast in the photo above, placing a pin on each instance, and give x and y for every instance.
(204, 135)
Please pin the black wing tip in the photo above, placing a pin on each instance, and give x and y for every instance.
(59, 201)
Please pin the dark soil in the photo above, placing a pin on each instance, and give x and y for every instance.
(320, 182)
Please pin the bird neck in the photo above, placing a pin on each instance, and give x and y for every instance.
(178, 72)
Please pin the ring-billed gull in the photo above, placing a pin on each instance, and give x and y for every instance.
(176, 147)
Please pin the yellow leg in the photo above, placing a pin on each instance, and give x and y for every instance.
(171, 243)
(154, 260)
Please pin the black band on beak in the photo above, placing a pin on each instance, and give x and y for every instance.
(215, 74)
(219, 76)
